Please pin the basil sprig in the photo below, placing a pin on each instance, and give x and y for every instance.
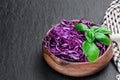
(91, 51)
(89, 48)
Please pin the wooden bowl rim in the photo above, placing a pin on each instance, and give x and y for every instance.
(100, 57)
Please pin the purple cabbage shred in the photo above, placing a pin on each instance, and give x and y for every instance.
(65, 42)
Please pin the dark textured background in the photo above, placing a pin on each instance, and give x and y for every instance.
(23, 24)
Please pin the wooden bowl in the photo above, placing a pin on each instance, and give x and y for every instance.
(77, 69)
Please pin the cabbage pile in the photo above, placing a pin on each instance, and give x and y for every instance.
(65, 42)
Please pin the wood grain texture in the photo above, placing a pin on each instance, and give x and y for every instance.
(23, 24)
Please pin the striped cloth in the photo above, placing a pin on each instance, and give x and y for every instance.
(111, 19)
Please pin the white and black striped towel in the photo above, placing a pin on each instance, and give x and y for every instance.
(111, 19)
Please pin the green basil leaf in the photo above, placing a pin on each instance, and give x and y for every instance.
(90, 36)
(104, 30)
(90, 50)
(102, 38)
(81, 27)
(94, 28)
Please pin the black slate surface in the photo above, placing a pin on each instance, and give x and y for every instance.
(23, 24)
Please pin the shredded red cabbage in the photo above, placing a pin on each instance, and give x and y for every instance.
(65, 42)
